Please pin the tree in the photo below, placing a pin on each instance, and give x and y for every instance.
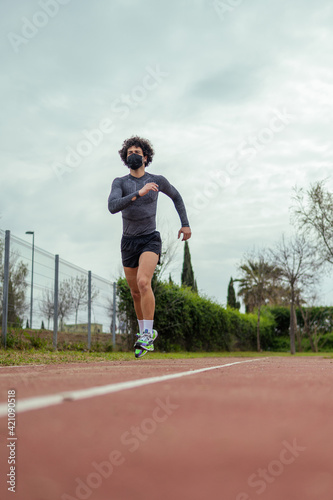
(78, 289)
(299, 266)
(46, 305)
(306, 319)
(313, 214)
(187, 277)
(17, 285)
(257, 284)
(65, 303)
(231, 298)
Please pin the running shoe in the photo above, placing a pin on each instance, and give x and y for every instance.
(139, 352)
(145, 343)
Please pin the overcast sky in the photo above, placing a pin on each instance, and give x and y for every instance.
(235, 96)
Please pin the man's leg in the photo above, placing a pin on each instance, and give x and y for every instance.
(131, 277)
(147, 265)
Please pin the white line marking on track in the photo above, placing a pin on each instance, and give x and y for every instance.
(40, 402)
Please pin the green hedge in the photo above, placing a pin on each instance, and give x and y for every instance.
(322, 316)
(281, 316)
(187, 321)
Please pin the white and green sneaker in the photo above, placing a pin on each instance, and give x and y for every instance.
(145, 343)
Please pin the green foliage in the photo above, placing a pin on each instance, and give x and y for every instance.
(244, 328)
(258, 281)
(281, 344)
(17, 285)
(231, 298)
(187, 278)
(325, 343)
(126, 310)
(36, 341)
(16, 339)
(20, 339)
(72, 346)
(322, 317)
(189, 322)
(281, 317)
(101, 347)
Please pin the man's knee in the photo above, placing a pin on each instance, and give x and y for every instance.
(143, 284)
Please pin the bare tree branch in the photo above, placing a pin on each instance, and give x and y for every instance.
(299, 267)
(312, 212)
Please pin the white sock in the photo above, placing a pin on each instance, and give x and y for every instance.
(148, 325)
(140, 322)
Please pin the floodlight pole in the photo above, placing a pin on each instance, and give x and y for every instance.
(32, 274)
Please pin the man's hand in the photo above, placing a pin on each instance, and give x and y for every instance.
(186, 233)
(150, 186)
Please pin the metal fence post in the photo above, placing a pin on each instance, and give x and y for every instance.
(89, 309)
(114, 316)
(5, 290)
(56, 291)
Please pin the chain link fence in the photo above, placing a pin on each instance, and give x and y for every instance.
(40, 291)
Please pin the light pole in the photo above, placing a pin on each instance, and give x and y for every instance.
(32, 274)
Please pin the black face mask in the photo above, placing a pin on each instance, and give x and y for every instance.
(134, 161)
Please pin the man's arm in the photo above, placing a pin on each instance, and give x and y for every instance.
(168, 189)
(117, 201)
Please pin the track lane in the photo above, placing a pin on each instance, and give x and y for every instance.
(193, 438)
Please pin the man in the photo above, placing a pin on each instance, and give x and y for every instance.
(135, 195)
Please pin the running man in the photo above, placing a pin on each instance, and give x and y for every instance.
(135, 195)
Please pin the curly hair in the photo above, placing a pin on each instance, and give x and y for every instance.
(144, 144)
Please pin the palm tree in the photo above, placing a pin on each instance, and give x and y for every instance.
(257, 285)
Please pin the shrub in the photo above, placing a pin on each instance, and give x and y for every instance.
(36, 341)
(16, 339)
(187, 321)
(281, 317)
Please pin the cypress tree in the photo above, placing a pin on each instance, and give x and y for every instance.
(187, 278)
(231, 298)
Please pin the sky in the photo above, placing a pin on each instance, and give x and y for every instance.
(235, 96)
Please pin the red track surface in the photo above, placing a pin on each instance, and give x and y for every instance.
(249, 431)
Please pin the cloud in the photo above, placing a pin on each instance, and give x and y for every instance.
(225, 79)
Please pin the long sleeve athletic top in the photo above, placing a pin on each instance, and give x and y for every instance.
(139, 216)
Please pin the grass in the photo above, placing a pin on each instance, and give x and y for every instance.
(13, 357)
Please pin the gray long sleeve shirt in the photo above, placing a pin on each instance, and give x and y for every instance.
(139, 216)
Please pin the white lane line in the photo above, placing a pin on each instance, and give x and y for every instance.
(39, 402)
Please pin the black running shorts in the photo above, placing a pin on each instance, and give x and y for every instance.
(133, 246)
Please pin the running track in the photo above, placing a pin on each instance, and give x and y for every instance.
(248, 429)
